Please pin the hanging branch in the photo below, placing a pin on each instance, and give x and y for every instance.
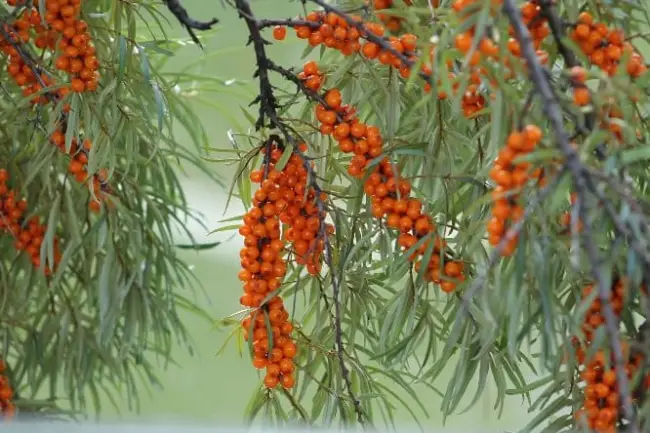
(268, 114)
(497, 253)
(188, 22)
(553, 112)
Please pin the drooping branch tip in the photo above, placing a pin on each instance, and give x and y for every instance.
(188, 22)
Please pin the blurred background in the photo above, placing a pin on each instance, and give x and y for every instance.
(203, 387)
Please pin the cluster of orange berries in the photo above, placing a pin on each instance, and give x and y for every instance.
(77, 58)
(262, 270)
(261, 258)
(509, 177)
(77, 54)
(301, 214)
(277, 358)
(18, 69)
(606, 47)
(600, 410)
(334, 32)
(389, 195)
(7, 407)
(284, 197)
(78, 168)
(28, 237)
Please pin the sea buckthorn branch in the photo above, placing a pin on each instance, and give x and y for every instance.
(343, 118)
(12, 46)
(577, 78)
(181, 14)
(268, 111)
(553, 112)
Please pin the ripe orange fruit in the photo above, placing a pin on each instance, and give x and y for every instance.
(279, 33)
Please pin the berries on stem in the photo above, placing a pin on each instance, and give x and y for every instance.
(511, 176)
(284, 213)
(389, 194)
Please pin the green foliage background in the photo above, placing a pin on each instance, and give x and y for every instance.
(205, 387)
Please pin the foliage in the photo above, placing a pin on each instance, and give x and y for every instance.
(88, 138)
(453, 184)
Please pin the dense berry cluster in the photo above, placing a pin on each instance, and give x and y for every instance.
(334, 32)
(7, 408)
(600, 410)
(510, 177)
(389, 195)
(274, 352)
(606, 47)
(76, 56)
(23, 75)
(284, 198)
(28, 235)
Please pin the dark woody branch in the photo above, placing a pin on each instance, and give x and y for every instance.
(188, 22)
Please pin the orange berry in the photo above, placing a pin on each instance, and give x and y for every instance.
(271, 381)
(578, 74)
(287, 381)
(279, 33)
(581, 96)
(463, 42)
